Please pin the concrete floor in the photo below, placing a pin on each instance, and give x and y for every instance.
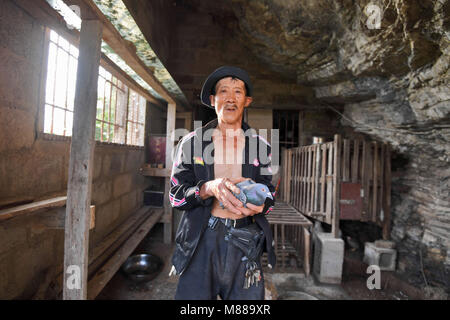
(279, 286)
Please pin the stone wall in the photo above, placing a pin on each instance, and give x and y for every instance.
(35, 166)
(392, 82)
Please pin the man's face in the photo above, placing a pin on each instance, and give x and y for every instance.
(230, 100)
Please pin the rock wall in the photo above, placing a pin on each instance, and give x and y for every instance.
(391, 82)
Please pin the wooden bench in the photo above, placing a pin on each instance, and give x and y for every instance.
(105, 258)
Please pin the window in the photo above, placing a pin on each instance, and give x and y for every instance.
(136, 119)
(120, 111)
(111, 108)
(60, 86)
(287, 123)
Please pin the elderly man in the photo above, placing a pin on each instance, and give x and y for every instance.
(221, 237)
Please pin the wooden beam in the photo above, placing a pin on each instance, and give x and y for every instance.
(146, 170)
(76, 242)
(110, 66)
(9, 213)
(127, 51)
(56, 219)
(168, 211)
(336, 185)
(102, 276)
(307, 251)
(387, 195)
(187, 116)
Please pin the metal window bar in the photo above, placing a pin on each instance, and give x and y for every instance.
(58, 49)
(133, 123)
(106, 134)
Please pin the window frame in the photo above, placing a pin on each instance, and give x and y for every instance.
(108, 65)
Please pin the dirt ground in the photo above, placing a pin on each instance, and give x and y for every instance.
(289, 286)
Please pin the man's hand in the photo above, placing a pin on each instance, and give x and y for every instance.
(251, 209)
(221, 189)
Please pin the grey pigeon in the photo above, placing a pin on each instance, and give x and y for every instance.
(252, 192)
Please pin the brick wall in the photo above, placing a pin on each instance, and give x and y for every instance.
(33, 167)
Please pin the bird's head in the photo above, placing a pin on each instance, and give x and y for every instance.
(264, 190)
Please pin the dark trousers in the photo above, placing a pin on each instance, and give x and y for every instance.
(216, 268)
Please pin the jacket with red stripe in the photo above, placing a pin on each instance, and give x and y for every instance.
(191, 169)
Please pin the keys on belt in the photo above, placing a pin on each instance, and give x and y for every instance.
(252, 275)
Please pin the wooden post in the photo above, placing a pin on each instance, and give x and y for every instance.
(306, 248)
(289, 175)
(168, 211)
(387, 195)
(375, 168)
(336, 185)
(76, 242)
(355, 163)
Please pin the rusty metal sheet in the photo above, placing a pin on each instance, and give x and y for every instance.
(351, 202)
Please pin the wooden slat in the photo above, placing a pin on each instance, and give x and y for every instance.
(307, 253)
(156, 172)
(323, 178)
(9, 213)
(291, 177)
(283, 245)
(284, 168)
(289, 174)
(336, 185)
(76, 242)
(375, 166)
(308, 181)
(346, 162)
(313, 178)
(329, 179)
(297, 177)
(317, 178)
(168, 210)
(382, 178)
(302, 180)
(365, 180)
(275, 238)
(355, 161)
(387, 196)
(106, 272)
(55, 218)
(294, 177)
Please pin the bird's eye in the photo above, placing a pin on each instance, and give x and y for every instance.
(263, 190)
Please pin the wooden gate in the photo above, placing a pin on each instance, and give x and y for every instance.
(339, 180)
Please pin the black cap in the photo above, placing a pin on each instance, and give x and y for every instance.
(220, 73)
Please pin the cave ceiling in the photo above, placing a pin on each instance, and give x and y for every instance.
(331, 39)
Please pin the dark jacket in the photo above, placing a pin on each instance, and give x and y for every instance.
(190, 171)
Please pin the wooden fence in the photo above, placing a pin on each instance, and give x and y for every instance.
(339, 180)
